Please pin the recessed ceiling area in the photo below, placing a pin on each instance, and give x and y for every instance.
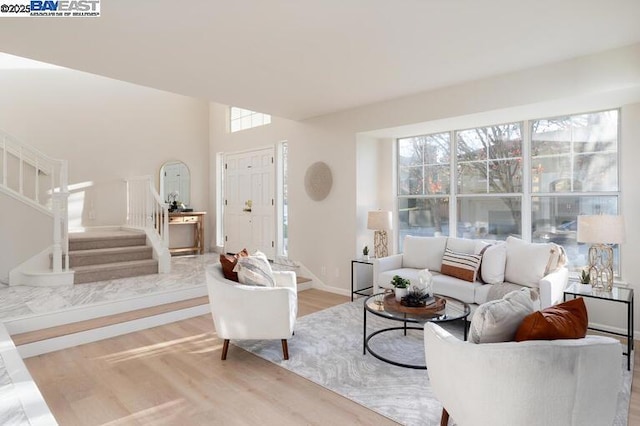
(303, 59)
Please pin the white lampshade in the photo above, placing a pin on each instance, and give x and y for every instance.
(379, 220)
(601, 229)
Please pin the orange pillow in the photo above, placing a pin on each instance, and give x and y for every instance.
(566, 320)
(229, 261)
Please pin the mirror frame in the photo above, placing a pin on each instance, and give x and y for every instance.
(186, 200)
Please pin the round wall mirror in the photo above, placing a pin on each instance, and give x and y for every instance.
(175, 182)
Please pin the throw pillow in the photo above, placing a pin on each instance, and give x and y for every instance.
(557, 260)
(460, 265)
(527, 263)
(498, 320)
(568, 320)
(229, 261)
(255, 270)
(423, 252)
(494, 260)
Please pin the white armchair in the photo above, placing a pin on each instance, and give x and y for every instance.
(251, 312)
(540, 382)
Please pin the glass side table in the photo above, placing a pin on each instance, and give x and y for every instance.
(616, 295)
(365, 291)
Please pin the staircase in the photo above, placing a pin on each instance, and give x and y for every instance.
(107, 255)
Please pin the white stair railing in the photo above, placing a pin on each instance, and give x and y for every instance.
(40, 181)
(147, 211)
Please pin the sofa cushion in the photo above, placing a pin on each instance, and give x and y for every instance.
(527, 263)
(384, 278)
(460, 265)
(229, 261)
(454, 287)
(255, 270)
(494, 260)
(568, 320)
(498, 320)
(462, 245)
(423, 252)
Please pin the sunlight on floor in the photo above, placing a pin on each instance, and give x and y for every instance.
(167, 413)
(199, 344)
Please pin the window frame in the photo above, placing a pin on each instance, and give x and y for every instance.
(527, 195)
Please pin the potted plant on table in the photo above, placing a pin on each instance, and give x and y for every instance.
(401, 285)
(585, 280)
(365, 253)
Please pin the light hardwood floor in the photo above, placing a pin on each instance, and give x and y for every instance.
(173, 375)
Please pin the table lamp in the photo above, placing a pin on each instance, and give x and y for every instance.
(601, 231)
(380, 221)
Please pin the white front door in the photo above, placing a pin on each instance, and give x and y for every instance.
(249, 202)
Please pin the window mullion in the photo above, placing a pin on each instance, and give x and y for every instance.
(453, 184)
(526, 181)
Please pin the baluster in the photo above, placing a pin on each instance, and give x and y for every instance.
(37, 182)
(20, 167)
(4, 161)
(57, 249)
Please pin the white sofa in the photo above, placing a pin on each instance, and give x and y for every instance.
(506, 265)
(569, 382)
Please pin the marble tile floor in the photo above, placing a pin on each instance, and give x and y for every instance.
(23, 301)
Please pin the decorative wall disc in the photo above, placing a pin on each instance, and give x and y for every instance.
(318, 181)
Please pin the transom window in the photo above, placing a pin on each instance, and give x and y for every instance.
(478, 177)
(242, 119)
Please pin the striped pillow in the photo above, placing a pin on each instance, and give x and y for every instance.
(460, 265)
(255, 270)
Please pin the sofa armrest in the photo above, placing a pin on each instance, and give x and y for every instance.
(286, 279)
(385, 264)
(552, 287)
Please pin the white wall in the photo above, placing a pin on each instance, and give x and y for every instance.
(326, 235)
(107, 130)
(24, 232)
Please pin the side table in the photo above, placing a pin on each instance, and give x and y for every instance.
(618, 295)
(360, 291)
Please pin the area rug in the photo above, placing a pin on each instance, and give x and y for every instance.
(327, 349)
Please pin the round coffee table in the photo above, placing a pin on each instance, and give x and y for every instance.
(453, 310)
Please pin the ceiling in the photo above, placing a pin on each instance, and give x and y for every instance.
(300, 58)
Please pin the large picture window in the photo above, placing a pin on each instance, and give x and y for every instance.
(477, 176)
(574, 171)
(424, 181)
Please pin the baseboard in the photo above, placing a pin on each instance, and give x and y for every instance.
(636, 334)
(71, 340)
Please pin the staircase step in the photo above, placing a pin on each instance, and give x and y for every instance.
(304, 283)
(97, 323)
(99, 240)
(111, 271)
(109, 255)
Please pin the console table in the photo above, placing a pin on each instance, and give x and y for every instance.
(195, 219)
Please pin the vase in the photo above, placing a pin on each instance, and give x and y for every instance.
(400, 293)
(365, 257)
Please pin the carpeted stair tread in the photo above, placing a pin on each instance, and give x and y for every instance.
(97, 240)
(109, 255)
(110, 271)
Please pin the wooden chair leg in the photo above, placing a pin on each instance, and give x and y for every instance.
(285, 349)
(225, 349)
(444, 420)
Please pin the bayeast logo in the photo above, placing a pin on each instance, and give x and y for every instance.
(65, 8)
